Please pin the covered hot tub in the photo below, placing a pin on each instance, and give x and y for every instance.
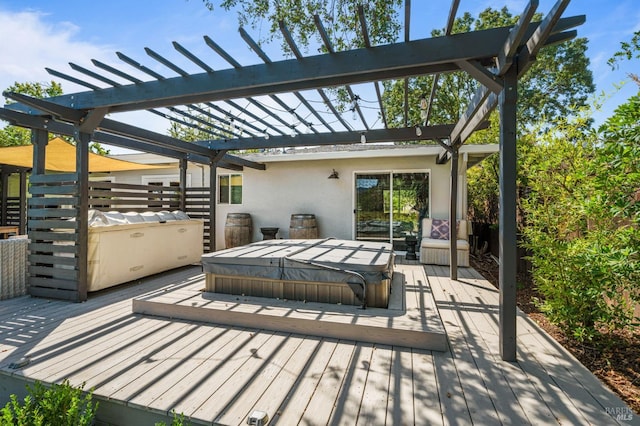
(326, 270)
(126, 246)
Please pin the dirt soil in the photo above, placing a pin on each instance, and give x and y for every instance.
(614, 358)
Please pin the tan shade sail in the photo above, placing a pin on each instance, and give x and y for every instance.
(61, 157)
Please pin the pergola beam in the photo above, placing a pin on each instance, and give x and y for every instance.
(453, 11)
(511, 46)
(482, 74)
(539, 38)
(337, 138)
(44, 123)
(484, 102)
(362, 65)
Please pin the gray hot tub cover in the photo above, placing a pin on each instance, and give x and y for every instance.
(328, 260)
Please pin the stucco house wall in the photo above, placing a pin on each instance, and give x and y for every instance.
(295, 183)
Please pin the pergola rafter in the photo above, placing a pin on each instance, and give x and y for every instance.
(496, 58)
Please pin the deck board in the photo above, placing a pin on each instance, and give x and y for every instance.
(401, 397)
(475, 331)
(376, 390)
(350, 397)
(295, 404)
(217, 373)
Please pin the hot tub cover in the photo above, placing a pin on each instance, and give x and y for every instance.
(324, 260)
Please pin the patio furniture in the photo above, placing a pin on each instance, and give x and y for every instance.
(435, 246)
(13, 267)
(327, 271)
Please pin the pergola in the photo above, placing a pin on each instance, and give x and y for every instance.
(268, 105)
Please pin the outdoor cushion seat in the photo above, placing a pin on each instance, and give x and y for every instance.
(434, 248)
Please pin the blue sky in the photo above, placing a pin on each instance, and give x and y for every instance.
(36, 34)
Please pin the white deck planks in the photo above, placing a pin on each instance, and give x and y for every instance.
(219, 374)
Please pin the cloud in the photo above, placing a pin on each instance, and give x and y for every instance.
(31, 43)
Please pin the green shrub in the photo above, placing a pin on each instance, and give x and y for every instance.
(588, 283)
(582, 226)
(60, 405)
(178, 420)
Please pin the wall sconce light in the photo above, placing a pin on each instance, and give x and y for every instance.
(334, 175)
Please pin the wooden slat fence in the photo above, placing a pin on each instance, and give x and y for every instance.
(54, 249)
(109, 196)
(197, 207)
(54, 233)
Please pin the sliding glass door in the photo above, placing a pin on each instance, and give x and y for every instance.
(389, 205)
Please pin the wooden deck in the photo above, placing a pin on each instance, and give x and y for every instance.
(411, 319)
(142, 367)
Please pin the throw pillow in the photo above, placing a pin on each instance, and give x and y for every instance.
(439, 229)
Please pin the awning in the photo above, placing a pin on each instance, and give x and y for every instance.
(61, 157)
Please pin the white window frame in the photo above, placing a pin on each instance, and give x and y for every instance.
(229, 203)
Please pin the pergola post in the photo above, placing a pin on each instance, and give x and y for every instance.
(183, 184)
(507, 216)
(23, 202)
(82, 216)
(4, 187)
(213, 171)
(39, 139)
(453, 213)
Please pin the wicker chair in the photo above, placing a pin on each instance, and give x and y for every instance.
(13, 267)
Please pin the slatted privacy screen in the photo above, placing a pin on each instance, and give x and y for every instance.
(198, 207)
(53, 232)
(109, 196)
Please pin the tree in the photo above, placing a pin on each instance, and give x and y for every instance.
(16, 136)
(628, 50)
(190, 129)
(339, 16)
(558, 81)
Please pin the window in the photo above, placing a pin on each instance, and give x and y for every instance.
(166, 180)
(230, 189)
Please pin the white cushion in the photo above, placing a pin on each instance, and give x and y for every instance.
(443, 244)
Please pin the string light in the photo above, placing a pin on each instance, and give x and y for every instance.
(363, 138)
(418, 131)
(423, 108)
(354, 106)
